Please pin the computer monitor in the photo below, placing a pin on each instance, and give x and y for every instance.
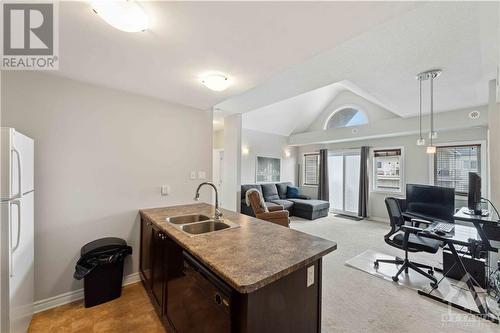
(432, 202)
(474, 196)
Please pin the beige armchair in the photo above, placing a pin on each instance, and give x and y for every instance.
(274, 214)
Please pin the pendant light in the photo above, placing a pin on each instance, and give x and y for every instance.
(421, 140)
(428, 75)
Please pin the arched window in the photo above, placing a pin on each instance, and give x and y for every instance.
(346, 117)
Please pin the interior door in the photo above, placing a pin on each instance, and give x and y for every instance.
(343, 175)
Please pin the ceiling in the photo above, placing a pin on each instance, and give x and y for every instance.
(459, 37)
(250, 41)
(296, 114)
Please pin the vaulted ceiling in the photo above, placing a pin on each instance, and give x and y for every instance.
(461, 38)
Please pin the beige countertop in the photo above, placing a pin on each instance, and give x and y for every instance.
(249, 257)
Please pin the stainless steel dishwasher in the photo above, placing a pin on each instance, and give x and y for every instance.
(197, 300)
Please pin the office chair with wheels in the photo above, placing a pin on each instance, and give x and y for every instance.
(405, 237)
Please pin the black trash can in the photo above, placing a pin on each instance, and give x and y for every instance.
(101, 267)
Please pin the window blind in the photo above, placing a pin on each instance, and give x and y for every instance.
(452, 165)
(311, 169)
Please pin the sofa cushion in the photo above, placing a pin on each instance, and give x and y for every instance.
(287, 205)
(309, 205)
(282, 188)
(270, 192)
(245, 188)
(245, 209)
(293, 192)
(271, 204)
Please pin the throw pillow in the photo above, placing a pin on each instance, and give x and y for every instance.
(292, 192)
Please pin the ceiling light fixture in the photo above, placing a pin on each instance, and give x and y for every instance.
(428, 75)
(215, 82)
(127, 16)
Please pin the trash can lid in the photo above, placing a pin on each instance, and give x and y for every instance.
(103, 244)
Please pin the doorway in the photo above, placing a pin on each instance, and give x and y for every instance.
(343, 175)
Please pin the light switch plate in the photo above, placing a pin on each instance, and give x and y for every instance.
(310, 276)
(193, 174)
(202, 175)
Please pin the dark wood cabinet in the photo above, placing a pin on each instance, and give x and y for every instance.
(153, 264)
(158, 269)
(157, 252)
(145, 255)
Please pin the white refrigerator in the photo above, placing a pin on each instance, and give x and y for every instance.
(17, 231)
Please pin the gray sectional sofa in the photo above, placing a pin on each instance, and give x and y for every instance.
(276, 194)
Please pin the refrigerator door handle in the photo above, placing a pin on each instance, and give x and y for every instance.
(17, 203)
(19, 173)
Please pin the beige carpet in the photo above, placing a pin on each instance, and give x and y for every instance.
(451, 290)
(354, 301)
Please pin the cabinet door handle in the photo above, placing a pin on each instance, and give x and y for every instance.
(148, 223)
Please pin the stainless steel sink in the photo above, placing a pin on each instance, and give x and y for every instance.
(185, 219)
(198, 224)
(204, 227)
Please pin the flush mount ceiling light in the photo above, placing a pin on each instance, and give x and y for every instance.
(215, 82)
(127, 16)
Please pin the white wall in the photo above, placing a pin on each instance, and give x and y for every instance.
(494, 137)
(267, 145)
(443, 121)
(231, 170)
(101, 155)
(417, 167)
(346, 98)
(219, 139)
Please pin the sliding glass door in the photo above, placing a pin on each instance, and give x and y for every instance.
(343, 175)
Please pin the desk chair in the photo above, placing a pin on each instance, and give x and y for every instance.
(404, 237)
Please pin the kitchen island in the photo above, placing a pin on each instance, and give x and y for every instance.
(255, 277)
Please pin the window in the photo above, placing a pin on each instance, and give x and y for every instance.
(311, 169)
(452, 165)
(387, 170)
(346, 117)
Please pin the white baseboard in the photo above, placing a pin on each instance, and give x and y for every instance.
(74, 295)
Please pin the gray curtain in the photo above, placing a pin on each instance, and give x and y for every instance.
(363, 182)
(323, 190)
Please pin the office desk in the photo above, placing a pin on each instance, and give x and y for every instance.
(461, 237)
(478, 222)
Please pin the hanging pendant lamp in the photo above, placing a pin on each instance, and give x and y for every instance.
(428, 75)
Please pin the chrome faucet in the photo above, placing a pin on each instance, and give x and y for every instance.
(218, 213)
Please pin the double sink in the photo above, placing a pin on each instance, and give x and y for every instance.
(198, 224)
